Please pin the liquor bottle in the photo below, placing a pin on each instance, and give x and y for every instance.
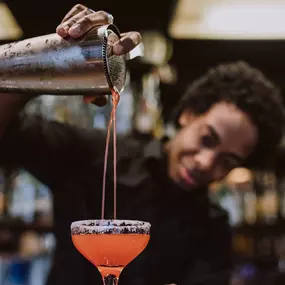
(250, 205)
(269, 198)
(241, 183)
(43, 205)
(148, 107)
(231, 201)
(22, 197)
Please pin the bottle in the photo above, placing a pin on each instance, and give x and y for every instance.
(250, 204)
(269, 199)
(148, 119)
(230, 200)
(23, 194)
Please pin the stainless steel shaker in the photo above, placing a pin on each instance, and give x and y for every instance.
(51, 64)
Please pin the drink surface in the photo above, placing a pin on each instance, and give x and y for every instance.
(110, 253)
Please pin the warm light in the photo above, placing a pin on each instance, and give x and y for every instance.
(9, 28)
(247, 21)
(231, 20)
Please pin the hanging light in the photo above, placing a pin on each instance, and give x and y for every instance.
(235, 19)
(9, 28)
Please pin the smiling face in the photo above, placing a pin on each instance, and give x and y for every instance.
(208, 146)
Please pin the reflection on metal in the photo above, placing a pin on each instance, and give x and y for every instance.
(51, 64)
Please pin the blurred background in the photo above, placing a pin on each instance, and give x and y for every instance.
(181, 39)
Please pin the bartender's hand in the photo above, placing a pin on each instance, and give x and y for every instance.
(80, 19)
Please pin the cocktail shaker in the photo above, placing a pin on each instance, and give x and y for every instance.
(51, 64)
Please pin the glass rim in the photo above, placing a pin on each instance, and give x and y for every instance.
(110, 226)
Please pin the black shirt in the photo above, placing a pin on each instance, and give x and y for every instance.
(190, 238)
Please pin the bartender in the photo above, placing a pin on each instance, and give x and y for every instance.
(230, 116)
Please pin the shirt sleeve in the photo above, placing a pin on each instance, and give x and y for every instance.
(50, 150)
(212, 263)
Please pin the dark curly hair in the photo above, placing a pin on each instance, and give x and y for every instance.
(248, 89)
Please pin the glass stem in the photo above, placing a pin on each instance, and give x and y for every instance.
(110, 279)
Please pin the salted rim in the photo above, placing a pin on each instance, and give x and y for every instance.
(110, 226)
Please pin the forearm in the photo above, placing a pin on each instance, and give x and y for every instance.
(10, 105)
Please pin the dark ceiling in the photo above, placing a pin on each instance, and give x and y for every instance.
(191, 57)
(37, 17)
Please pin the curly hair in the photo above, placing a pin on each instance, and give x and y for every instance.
(248, 89)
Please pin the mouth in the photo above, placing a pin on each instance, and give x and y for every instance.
(187, 177)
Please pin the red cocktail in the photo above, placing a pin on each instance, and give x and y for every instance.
(110, 244)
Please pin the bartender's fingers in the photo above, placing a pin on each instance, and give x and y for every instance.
(62, 29)
(85, 21)
(128, 41)
(74, 10)
(80, 20)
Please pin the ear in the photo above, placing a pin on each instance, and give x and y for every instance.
(186, 118)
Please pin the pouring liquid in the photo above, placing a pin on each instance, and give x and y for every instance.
(112, 122)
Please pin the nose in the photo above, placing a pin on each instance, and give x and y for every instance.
(205, 160)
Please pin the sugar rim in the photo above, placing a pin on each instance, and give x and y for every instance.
(110, 226)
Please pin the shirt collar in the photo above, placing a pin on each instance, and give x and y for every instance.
(133, 171)
(153, 150)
